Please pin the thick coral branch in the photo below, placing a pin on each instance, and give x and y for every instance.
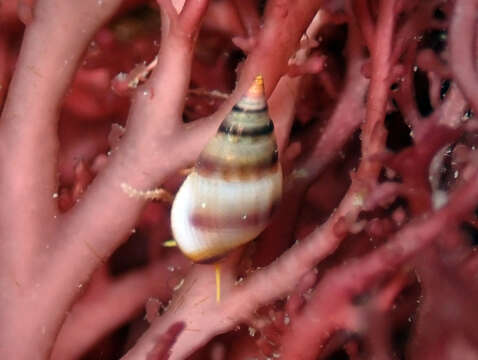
(373, 131)
(162, 348)
(249, 14)
(366, 25)
(52, 47)
(284, 24)
(30, 118)
(154, 128)
(107, 305)
(463, 49)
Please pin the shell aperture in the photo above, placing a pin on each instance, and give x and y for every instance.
(236, 183)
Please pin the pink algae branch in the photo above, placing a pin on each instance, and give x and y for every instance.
(372, 252)
(162, 349)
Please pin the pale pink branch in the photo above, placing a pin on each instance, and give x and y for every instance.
(195, 299)
(163, 346)
(462, 49)
(365, 23)
(405, 96)
(52, 47)
(282, 109)
(4, 78)
(154, 128)
(30, 114)
(108, 306)
(222, 16)
(270, 51)
(248, 12)
(313, 65)
(25, 11)
(408, 34)
(378, 340)
(427, 60)
(452, 110)
(386, 297)
(284, 24)
(283, 100)
(435, 84)
(382, 195)
(373, 130)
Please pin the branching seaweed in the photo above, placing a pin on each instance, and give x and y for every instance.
(372, 252)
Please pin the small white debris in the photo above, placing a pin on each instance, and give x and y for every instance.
(300, 174)
(239, 280)
(179, 285)
(252, 331)
(358, 200)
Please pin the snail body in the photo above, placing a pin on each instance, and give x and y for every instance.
(236, 183)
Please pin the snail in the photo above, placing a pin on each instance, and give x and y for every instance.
(228, 198)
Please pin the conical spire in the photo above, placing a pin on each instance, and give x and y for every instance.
(257, 88)
(254, 99)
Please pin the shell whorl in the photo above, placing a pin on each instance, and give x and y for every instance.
(236, 183)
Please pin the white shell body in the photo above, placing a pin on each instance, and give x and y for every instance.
(229, 197)
(244, 209)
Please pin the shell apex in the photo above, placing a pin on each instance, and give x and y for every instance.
(254, 99)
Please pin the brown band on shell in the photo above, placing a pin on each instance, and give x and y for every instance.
(241, 109)
(205, 221)
(237, 130)
(208, 166)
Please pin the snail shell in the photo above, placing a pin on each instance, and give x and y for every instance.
(229, 197)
